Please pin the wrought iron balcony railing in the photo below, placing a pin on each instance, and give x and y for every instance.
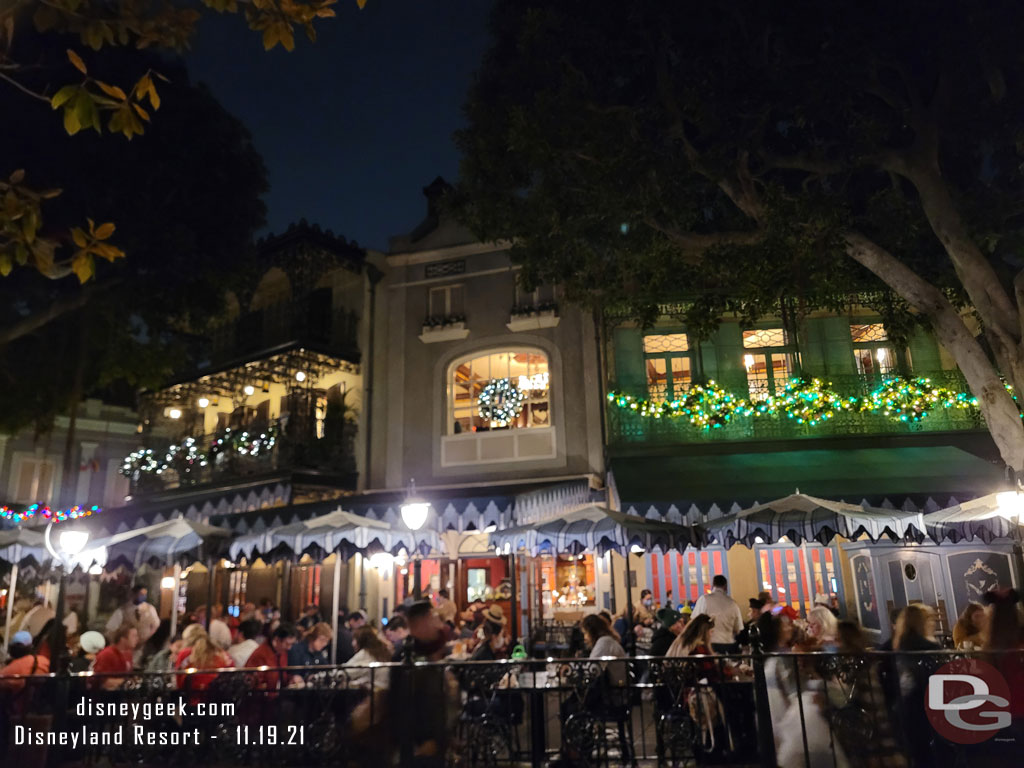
(627, 426)
(253, 449)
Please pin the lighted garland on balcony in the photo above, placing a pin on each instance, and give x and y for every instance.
(806, 402)
(706, 407)
(809, 402)
(43, 511)
(187, 457)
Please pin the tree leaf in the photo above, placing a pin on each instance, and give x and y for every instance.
(6, 264)
(71, 122)
(76, 60)
(103, 231)
(112, 90)
(18, 176)
(64, 95)
(83, 265)
(79, 236)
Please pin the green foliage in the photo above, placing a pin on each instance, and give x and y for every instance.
(90, 104)
(642, 153)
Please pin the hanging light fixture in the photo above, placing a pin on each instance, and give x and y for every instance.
(203, 402)
(249, 390)
(414, 509)
(300, 376)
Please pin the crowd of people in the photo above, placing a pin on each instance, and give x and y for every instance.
(804, 697)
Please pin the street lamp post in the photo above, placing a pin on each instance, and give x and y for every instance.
(71, 543)
(414, 514)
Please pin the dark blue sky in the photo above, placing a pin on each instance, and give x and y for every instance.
(351, 127)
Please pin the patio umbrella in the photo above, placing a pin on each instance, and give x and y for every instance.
(16, 546)
(597, 529)
(801, 518)
(337, 531)
(991, 517)
(165, 544)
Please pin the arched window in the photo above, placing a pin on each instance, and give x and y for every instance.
(499, 389)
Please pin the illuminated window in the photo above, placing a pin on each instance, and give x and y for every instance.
(321, 416)
(526, 371)
(476, 584)
(768, 360)
(668, 365)
(872, 350)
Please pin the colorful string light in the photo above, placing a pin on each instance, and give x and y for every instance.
(43, 511)
(809, 402)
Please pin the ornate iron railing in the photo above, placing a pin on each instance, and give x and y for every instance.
(863, 709)
(626, 427)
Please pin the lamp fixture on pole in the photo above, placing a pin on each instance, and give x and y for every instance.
(414, 514)
(71, 543)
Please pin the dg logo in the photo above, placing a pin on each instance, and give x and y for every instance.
(968, 701)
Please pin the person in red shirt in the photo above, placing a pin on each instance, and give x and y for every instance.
(116, 657)
(203, 653)
(274, 654)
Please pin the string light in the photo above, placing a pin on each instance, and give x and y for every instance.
(810, 402)
(41, 510)
(187, 457)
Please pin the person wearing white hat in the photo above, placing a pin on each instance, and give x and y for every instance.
(89, 644)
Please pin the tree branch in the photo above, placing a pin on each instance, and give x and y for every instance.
(693, 244)
(23, 89)
(54, 311)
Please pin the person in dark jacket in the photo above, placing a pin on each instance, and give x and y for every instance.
(346, 648)
(670, 626)
(311, 650)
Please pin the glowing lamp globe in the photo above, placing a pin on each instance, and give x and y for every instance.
(73, 542)
(414, 514)
(1011, 505)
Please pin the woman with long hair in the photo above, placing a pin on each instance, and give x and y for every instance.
(695, 639)
(311, 650)
(915, 631)
(969, 630)
(371, 649)
(202, 653)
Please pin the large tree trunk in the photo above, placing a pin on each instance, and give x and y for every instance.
(1001, 413)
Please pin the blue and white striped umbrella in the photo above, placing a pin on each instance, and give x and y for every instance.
(18, 545)
(337, 531)
(160, 545)
(592, 528)
(991, 517)
(801, 518)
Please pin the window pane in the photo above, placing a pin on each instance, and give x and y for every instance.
(764, 337)
(757, 376)
(670, 342)
(681, 375)
(526, 369)
(782, 369)
(875, 362)
(455, 300)
(657, 379)
(436, 306)
(870, 332)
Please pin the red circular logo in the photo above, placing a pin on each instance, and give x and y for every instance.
(968, 701)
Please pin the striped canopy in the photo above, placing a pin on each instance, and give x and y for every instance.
(18, 545)
(162, 544)
(337, 531)
(987, 518)
(801, 518)
(593, 528)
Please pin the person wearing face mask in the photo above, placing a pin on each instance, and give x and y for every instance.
(135, 612)
(645, 611)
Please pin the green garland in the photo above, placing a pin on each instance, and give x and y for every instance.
(809, 402)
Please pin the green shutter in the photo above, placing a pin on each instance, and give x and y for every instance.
(725, 363)
(924, 353)
(812, 348)
(630, 376)
(838, 347)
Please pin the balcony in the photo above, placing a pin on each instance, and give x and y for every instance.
(236, 454)
(311, 322)
(628, 428)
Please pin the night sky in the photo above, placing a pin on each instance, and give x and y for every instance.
(351, 127)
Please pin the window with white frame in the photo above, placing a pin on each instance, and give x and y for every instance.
(769, 360)
(519, 378)
(33, 480)
(872, 350)
(446, 301)
(542, 297)
(668, 365)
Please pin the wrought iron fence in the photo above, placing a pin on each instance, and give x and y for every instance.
(626, 426)
(809, 710)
